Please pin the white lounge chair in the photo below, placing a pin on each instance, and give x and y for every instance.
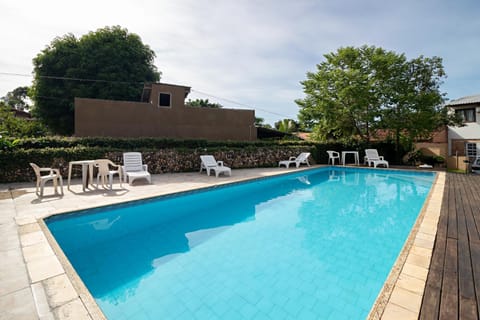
(302, 158)
(372, 158)
(53, 174)
(133, 168)
(103, 166)
(209, 163)
(332, 155)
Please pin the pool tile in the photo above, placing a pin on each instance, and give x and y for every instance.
(248, 311)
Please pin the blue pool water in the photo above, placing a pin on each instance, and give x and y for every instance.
(317, 244)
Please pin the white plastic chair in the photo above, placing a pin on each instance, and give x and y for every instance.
(301, 158)
(332, 155)
(103, 166)
(372, 157)
(133, 168)
(53, 174)
(209, 163)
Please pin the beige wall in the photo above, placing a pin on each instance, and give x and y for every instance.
(94, 117)
(458, 145)
(456, 162)
(432, 149)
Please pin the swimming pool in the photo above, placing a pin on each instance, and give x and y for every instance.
(309, 245)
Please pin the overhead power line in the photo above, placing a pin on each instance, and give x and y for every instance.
(72, 78)
(141, 82)
(240, 104)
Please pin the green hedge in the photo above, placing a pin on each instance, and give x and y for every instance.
(142, 143)
(15, 163)
(164, 155)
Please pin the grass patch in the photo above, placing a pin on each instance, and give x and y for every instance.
(455, 171)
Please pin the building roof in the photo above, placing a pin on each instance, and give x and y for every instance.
(465, 100)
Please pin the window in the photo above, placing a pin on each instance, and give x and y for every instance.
(164, 100)
(472, 149)
(468, 115)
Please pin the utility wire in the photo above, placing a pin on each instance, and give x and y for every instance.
(139, 82)
(72, 78)
(240, 104)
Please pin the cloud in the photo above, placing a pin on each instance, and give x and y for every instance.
(253, 52)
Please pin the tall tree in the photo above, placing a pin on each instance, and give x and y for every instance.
(340, 102)
(110, 63)
(356, 91)
(17, 99)
(10, 126)
(260, 122)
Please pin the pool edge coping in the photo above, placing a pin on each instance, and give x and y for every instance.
(386, 308)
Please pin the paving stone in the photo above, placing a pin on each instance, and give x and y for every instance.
(36, 251)
(74, 310)
(27, 228)
(40, 299)
(18, 305)
(32, 238)
(44, 268)
(394, 312)
(59, 290)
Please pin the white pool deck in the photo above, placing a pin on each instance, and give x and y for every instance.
(37, 283)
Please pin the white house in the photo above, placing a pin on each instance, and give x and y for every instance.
(464, 142)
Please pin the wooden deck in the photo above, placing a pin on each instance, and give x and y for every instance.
(452, 290)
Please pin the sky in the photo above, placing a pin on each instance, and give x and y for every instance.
(250, 54)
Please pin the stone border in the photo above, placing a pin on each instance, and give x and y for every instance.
(85, 296)
(402, 293)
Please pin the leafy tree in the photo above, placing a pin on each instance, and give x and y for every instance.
(286, 125)
(18, 98)
(203, 104)
(110, 63)
(10, 126)
(357, 91)
(260, 122)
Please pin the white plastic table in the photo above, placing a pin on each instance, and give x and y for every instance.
(355, 154)
(87, 165)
